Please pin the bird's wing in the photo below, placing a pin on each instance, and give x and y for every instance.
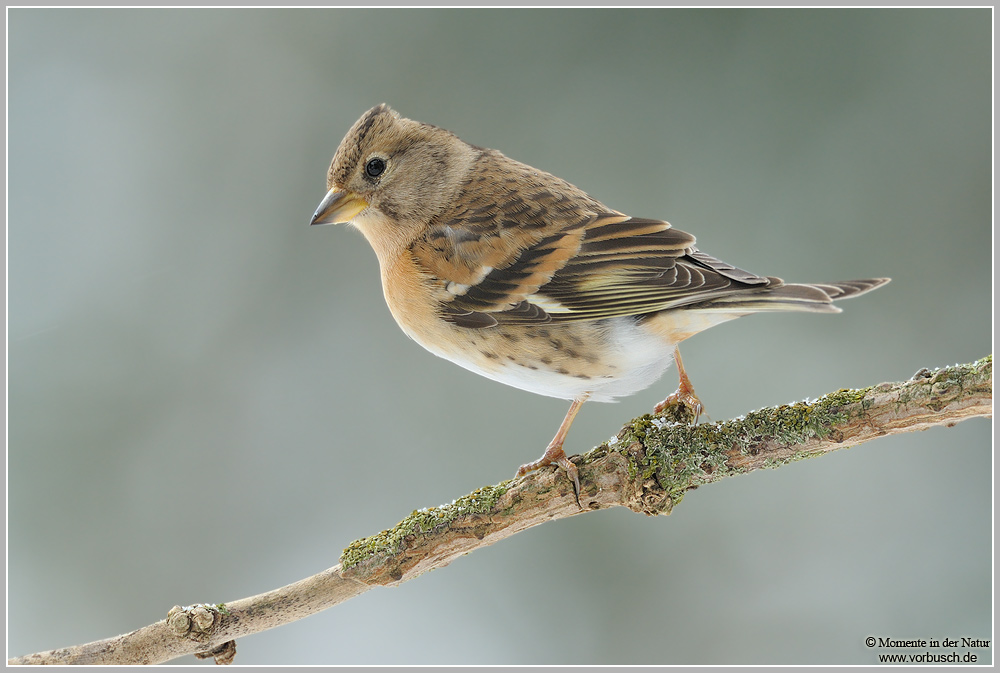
(621, 272)
(524, 247)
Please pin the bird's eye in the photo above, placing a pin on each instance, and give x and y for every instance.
(375, 167)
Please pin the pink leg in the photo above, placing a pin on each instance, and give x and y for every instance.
(685, 392)
(554, 451)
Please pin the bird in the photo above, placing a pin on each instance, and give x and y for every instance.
(521, 277)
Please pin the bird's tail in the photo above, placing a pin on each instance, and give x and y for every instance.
(779, 296)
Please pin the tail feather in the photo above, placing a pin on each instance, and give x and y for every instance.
(851, 288)
(777, 296)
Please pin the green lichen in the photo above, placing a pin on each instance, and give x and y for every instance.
(682, 456)
(422, 522)
(679, 456)
(942, 385)
(962, 376)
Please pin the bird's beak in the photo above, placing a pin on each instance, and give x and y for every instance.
(337, 207)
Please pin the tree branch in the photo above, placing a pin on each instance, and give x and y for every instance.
(647, 467)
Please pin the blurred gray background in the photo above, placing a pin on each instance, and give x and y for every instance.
(209, 399)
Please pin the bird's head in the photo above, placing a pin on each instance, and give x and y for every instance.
(392, 175)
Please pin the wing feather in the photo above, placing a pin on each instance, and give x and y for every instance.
(527, 248)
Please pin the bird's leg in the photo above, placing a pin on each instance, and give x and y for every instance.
(554, 451)
(684, 394)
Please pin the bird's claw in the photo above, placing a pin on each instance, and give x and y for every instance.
(554, 455)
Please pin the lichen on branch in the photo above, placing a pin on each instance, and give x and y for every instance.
(655, 460)
(648, 467)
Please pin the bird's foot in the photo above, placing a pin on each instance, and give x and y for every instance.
(554, 455)
(683, 406)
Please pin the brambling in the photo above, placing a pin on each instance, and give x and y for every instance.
(523, 278)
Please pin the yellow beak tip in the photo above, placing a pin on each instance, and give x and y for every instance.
(338, 207)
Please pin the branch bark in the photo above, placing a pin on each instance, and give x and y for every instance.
(647, 467)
